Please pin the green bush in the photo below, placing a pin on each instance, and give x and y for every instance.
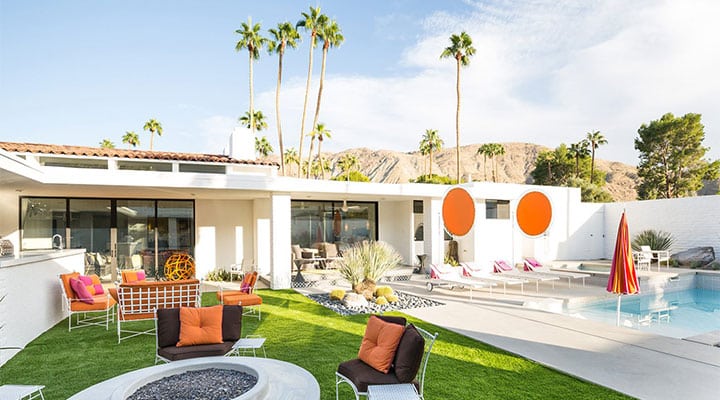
(391, 297)
(365, 263)
(337, 294)
(657, 240)
(383, 291)
(381, 301)
(218, 275)
(437, 179)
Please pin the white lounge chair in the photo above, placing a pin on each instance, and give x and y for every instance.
(533, 265)
(447, 275)
(661, 255)
(505, 269)
(476, 271)
(643, 258)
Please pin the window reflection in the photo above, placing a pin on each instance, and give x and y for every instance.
(333, 222)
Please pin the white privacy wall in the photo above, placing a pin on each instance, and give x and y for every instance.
(224, 233)
(396, 227)
(692, 221)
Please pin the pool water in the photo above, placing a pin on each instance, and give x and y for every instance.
(678, 314)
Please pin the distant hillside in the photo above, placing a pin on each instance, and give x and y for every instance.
(514, 167)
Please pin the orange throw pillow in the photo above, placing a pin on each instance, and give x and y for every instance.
(200, 326)
(380, 343)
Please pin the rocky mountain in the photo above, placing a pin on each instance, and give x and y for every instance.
(514, 167)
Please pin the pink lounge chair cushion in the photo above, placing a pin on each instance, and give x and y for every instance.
(502, 266)
(533, 263)
(81, 291)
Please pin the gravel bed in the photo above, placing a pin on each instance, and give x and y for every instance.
(404, 301)
(203, 384)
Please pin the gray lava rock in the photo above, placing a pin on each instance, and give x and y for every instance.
(697, 256)
(404, 301)
(204, 384)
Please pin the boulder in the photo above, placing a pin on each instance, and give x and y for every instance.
(695, 257)
(355, 301)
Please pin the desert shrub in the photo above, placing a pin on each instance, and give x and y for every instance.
(218, 275)
(434, 178)
(337, 294)
(392, 298)
(383, 291)
(381, 301)
(657, 240)
(451, 260)
(363, 264)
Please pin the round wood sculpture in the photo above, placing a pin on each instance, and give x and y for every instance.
(179, 266)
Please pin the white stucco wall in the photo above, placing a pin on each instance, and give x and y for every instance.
(9, 218)
(396, 227)
(692, 221)
(280, 241)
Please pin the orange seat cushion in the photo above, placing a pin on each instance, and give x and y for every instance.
(380, 343)
(200, 326)
(238, 298)
(100, 302)
(69, 293)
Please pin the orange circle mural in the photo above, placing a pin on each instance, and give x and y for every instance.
(534, 213)
(458, 211)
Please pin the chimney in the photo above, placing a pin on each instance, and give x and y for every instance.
(242, 144)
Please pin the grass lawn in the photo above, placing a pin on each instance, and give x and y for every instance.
(309, 335)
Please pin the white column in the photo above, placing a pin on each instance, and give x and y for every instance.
(280, 242)
(434, 231)
(263, 238)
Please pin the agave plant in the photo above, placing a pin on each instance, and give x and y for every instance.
(365, 263)
(657, 240)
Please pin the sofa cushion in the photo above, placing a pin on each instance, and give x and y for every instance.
(168, 326)
(81, 291)
(408, 356)
(362, 375)
(238, 298)
(174, 353)
(132, 276)
(231, 323)
(379, 343)
(92, 283)
(200, 326)
(395, 320)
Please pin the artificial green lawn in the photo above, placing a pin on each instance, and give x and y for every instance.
(300, 331)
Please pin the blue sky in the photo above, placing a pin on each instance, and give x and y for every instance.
(75, 72)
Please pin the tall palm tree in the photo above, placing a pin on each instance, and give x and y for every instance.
(461, 50)
(347, 163)
(321, 135)
(131, 139)
(284, 36)
(432, 143)
(331, 35)
(107, 144)
(153, 126)
(316, 133)
(497, 150)
(258, 118)
(485, 150)
(252, 41)
(291, 157)
(424, 151)
(577, 151)
(596, 139)
(263, 147)
(311, 22)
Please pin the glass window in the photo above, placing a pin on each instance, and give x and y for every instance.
(497, 209)
(202, 168)
(135, 222)
(73, 162)
(145, 166)
(334, 222)
(40, 219)
(174, 228)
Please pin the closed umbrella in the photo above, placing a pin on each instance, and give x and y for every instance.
(623, 279)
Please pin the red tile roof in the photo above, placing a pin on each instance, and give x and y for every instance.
(122, 153)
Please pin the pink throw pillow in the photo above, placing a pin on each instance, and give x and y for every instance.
(141, 275)
(81, 291)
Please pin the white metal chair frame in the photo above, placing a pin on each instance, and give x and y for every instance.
(24, 392)
(87, 318)
(429, 341)
(661, 255)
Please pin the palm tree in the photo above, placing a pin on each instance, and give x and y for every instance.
(331, 36)
(253, 42)
(424, 151)
(311, 22)
(485, 150)
(316, 133)
(258, 119)
(291, 157)
(107, 144)
(262, 146)
(461, 50)
(285, 35)
(596, 139)
(577, 151)
(497, 150)
(321, 135)
(131, 139)
(347, 163)
(431, 143)
(153, 126)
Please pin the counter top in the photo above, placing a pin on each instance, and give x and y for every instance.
(31, 257)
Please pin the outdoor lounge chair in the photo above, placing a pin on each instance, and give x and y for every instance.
(244, 297)
(473, 270)
(88, 309)
(503, 268)
(533, 265)
(447, 275)
(408, 365)
(659, 255)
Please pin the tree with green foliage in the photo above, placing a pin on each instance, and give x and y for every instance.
(596, 139)
(263, 147)
(322, 134)
(107, 144)
(311, 22)
(258, 119)
(131, 139)
(283, 37)
(672, 160)
(434, 178)
(320, 130)
(291, 157)
(351, 176)
(153, 126)
(557, 168)
(253, 41)
(579, 151)
(490, 150)
(461, 49)
(430, 144)
(347, 163)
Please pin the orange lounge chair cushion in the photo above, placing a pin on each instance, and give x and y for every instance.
(101, 302)
(238, 298)
(132, 276)
(66, 283)
(200, 326)
(380, 343)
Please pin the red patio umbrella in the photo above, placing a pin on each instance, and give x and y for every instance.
(623, 279)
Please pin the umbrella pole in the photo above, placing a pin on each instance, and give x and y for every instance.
(618, 310)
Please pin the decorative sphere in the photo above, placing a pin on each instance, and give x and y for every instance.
(179, 266)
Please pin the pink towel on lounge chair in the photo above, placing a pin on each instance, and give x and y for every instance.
(531, 264)
(501, 265)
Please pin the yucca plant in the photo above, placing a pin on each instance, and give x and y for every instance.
(657, 240)
(365, 263)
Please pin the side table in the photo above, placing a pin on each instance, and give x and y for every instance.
(403, 391)
(249, 343)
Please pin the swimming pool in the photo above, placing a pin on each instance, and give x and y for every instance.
(678, 314)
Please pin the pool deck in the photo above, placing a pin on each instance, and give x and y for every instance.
(639, 364)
